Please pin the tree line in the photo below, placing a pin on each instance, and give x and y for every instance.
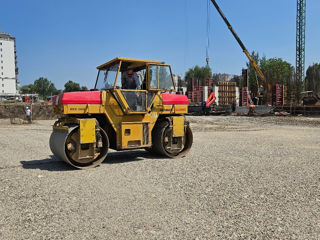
(46, 88)
(276, 71)
(312, 81)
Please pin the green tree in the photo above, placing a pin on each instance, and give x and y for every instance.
(84, 88)
(71, 86)
(44, 87)
(181, 82)
(53, 91)
(27, 89)
(275, 70)
(253, 76)
(200, 74)
(312, 81)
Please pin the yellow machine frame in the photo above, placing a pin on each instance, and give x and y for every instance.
(132, 129)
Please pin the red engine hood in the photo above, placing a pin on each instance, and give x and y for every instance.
(170, 99)
(86, 97)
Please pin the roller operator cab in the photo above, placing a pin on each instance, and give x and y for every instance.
(132, 106)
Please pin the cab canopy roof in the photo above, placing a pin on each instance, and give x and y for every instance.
(135, 64)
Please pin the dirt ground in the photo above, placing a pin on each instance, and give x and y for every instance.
(16, 111)
(244, 178)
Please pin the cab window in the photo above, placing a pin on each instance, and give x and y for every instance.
(160, 77)
(107, 77)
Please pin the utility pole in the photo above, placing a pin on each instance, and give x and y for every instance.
(300, 46)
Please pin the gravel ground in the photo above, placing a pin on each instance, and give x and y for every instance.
(245, 178)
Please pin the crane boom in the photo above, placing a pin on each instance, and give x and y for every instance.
(246, 52)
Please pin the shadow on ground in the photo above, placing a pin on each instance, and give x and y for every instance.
(48, 164)
(54, 164)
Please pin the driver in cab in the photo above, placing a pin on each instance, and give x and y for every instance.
(130, 80)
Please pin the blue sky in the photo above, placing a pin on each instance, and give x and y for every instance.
(66, 39)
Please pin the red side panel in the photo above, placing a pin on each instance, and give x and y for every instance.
(54, 100)
(87, 97)
(170, 99)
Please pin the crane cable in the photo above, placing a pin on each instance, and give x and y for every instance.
(186, 43)
(208, 32)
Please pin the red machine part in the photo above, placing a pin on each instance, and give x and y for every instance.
(211, 99)
(170, 99)
(86, 97)
(27, 99)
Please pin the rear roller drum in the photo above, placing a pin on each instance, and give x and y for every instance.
(66, 146)
(165, 144)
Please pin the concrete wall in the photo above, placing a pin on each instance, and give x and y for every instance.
(216, 94)
(205, 93)
(238, 96)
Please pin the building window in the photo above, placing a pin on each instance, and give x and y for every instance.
(2, 91)
(2, 85)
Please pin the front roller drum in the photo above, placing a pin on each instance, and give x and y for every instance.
(65, 145)
(165, 144)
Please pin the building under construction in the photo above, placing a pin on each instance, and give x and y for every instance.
(287, 95)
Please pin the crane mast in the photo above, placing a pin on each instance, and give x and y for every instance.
(246, 52)
(300, 45)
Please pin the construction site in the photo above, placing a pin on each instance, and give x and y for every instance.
(143, 155)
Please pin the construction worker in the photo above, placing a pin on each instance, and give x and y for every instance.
(130, 80)
(234, 106)
(28, 114)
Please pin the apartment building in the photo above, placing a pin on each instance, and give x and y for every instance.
(8, 65)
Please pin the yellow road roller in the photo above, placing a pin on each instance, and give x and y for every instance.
(133, 105)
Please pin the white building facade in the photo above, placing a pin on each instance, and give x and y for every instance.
(8, 69)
